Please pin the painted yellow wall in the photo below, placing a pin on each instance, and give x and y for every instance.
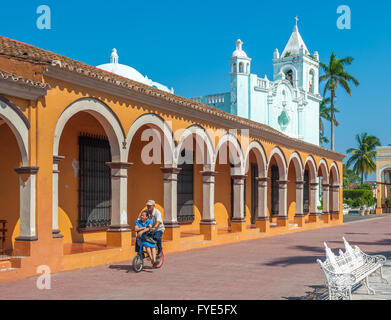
(9, 183)
(68, 184)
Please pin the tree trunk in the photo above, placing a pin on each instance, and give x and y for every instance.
(332, 119)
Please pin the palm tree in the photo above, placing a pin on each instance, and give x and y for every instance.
(364, 156)
(324, 112)
(335, 75)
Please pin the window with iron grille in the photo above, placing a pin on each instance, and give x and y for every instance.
(275, 189)
(185, 192)
(306, 195)
(94, 182)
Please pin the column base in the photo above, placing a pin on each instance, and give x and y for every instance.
(282, 221)
(122, 239)
(238, 225)
(335, 216)
(208, 229)
(326, 217)
(263, 224)
(25, 246)
(172, 232)
(300, 220)
(313, 218)
(379, 210)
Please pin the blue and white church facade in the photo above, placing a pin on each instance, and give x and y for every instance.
(289, 103)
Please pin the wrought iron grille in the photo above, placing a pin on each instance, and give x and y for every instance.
(254, 192)
(94, 182)
(306, 194)
(275, 189)
(185, 193)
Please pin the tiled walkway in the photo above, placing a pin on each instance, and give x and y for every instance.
(278, 267)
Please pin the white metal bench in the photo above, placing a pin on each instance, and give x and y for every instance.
(349, 268)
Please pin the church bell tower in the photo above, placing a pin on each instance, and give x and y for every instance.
(297, 65)
(240, 81)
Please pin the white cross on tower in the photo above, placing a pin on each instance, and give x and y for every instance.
(297, 19)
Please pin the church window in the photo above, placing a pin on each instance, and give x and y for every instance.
(94, 182)
(241, 68)
(185, 191)
(275, 189)
(311, 81)
(306, 194)
(289, 76)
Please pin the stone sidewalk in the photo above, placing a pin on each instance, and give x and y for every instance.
(383, 291)
(281, 267)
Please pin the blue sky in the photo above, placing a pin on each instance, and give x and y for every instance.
(187, 45)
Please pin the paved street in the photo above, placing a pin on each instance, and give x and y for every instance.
(279, 267)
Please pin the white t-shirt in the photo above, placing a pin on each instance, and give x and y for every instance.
(157, 216)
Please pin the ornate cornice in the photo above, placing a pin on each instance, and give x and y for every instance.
(21, 87)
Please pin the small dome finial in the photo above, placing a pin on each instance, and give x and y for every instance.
(114, 56)
(239, 44)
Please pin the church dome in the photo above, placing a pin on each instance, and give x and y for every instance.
(239, 53)
(123, 70)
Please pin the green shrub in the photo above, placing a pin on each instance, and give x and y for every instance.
(349, 202)
(356, 193)
(365, 186)
(360, 197)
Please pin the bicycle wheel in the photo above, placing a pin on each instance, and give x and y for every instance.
(137, 263)
(160, 261)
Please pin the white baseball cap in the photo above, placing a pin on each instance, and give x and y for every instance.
(150, 203)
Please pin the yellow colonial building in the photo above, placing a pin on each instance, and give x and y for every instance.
(383, 176)
(82, 150)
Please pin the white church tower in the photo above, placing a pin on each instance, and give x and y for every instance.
(240, 81)
(297, 65)
(288, 103)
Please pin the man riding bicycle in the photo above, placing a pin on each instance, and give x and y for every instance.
(157, 226)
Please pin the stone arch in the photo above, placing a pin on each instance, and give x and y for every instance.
(241, 67)
(298, 164)
(260, 155)
(334, 172)
(19, 125)
(116, 136)
(312, 168)
(281, 162)
(288, 67)
(324, 170)
(106, 118)
(382, 173)
(155, 121)
(230, 139)
(206, 141)
(334, 190)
